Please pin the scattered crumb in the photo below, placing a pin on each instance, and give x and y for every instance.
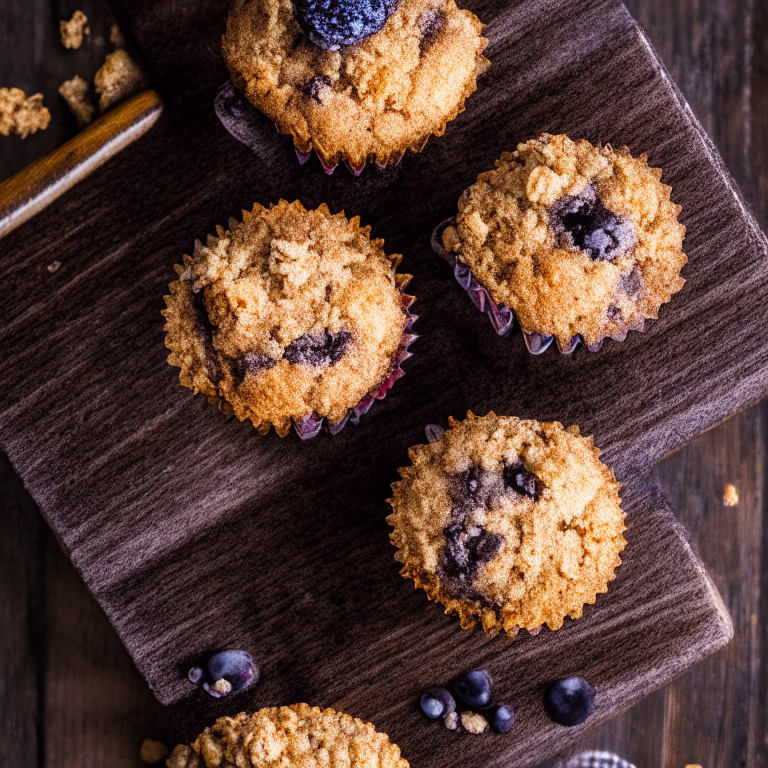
(53, 266)
(181, 757)
(451, 239)
(119, 77)
(152, 752)
(452, 721)
(75, 93)
(473, 723)
(72, 31)
(22, 115)
(730, 496)
(116, 36)
(222, 686)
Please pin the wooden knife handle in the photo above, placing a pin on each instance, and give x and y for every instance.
(39, 184)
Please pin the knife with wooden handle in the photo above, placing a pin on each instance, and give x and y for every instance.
(39, 184)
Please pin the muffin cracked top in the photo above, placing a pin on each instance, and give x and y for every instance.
(509, 522)
(387, 93)
(290, 314)
(577, 240)
(298, 735)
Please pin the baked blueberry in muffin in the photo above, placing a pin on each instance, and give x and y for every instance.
(331, 25)
(509, 522)
(577, 242)
(290, 317)
(355, 80)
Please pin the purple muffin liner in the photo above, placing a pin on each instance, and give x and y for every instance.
(502, 317)
(304, 157)
(311, 426)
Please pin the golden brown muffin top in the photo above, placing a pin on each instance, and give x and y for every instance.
(298, 736)
(511, 522)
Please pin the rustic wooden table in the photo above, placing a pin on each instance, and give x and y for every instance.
(69, 694)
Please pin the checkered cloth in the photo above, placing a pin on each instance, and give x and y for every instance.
(597, 760)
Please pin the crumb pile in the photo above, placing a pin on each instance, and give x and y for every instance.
(289, 315)
(575, 239)
(21, 114)
(373, 100)
(118, 78)
(513, 523)
(298, 735)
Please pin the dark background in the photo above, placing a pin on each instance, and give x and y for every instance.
(69, 695)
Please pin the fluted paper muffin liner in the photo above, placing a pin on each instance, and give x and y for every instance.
(502, 317)
(247, 124)
(305, 157)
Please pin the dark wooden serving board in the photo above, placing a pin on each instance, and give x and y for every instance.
(195, 533)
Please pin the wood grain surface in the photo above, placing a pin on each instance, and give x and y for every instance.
(670, 734)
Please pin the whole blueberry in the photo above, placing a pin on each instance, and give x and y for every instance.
(437, 703)
(236, 667)
(503, 718)
(196, 675)
(570, 701)
(330, 24)
(474, 688)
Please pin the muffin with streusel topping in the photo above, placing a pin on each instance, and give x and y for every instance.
(509, 522)
(355, 80)
(578, 242)
(290, 317)
(298, 735)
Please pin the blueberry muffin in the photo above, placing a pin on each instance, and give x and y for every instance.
(509, 522)
(298, 735)
(292, 316)
(580, 242)
(361, 80)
